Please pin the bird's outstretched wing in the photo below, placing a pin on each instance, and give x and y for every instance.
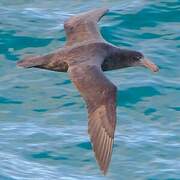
(100, 96)
(83, 27)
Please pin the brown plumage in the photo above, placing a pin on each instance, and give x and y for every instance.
(84, 56)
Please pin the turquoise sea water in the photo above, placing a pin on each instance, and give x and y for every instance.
(43, 120)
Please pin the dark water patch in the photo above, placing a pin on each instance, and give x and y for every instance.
(4, 100)
(87, 160)
(41, 155)
(40, 110)
(60, 158)
(21, 87)
(172, 87)
(150, 36)
(167, 5)
(135, 94)
(109, 35)
(149, 111)
(136, 21)
(48, 155)
(175, 108)
(68, 104)
(62, 39)
(58, 97)
(160, 175)
(8, 40)
(85, 145)
(64, 82)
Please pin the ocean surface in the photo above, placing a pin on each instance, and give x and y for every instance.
(43, 119)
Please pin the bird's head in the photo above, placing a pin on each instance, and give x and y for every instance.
(135, 58)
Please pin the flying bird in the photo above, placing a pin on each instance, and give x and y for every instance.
(85, 56)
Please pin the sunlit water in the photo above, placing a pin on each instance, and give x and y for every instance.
(43, 120)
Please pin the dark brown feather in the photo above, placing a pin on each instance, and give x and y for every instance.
(100, 96)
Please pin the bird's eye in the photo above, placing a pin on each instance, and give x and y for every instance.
(138, 57)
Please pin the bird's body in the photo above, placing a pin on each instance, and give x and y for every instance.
(85, 55)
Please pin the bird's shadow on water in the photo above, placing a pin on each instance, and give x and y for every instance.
(131, 96)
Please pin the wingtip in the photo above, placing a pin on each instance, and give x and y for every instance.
(22, 64)
(104, 171)
(103, 163)
(103, 168)
(30, 61)
(97, 13)
(19, 64)
(26, 62)
(103, 9)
